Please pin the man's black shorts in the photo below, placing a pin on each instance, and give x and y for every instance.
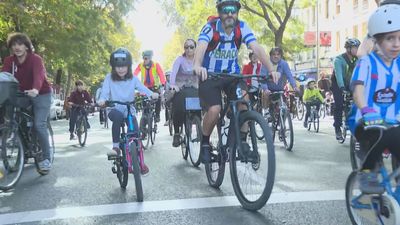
(210, 91)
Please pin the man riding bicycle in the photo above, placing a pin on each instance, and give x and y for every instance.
(217, 51)
(78, 98)
(152, 77)
(343, 69)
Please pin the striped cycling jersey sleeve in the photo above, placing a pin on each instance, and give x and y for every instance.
(247, 34)
(206, 33)
(361, 72)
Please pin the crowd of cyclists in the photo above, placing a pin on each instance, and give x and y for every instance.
(368, 71)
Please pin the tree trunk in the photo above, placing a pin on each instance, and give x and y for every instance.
(278, 38)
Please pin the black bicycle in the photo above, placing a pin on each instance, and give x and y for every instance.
(191, 137)
(81, 127)
(281, 124)
(252, 161)
(313, 119)
(347, 103)
(19, 143)
(148, 125)
(131, 159)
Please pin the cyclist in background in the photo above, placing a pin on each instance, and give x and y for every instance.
(375, 83)
(152, 77)
(120, 85)
(312, 97)
(29, 70)
(182, 76)
(78, 97)
(217, 51)
(343, 69)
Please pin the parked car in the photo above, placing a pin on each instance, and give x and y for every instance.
(57, 109)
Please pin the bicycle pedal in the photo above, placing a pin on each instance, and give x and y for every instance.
(112, 156)
(113, 170)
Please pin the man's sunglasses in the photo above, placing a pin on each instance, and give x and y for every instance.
(229, 9)
(190, 46)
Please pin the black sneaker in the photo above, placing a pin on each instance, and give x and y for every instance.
(205, 153)
(339, 134)
(157, 119)
(305, 124)
(87, 125)
(369, 183)
(177, 140)
(71, 136)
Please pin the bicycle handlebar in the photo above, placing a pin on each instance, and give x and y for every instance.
(383, 127)
(236, 76)
(112, 103)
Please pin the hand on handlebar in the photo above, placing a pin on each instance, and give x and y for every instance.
(32, 93)
(371, 117)
(201, 72)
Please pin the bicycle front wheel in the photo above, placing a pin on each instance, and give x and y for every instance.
(300, 110)
(81, 131)
(153, 131)
(193, 139)
(215, 171)
(286, 131)
(253, 167)
(316, 122)
(133, 148)
(11, 159)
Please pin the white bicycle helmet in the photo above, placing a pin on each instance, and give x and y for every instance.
(385, 19)
(311, 80)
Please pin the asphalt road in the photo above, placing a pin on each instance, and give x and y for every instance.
(81, 189)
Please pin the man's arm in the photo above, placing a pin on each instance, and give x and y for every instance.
(39, 73)
(198, 60)
(7, 67)
(289, 75)
(338, 67)
(137, 70)
(161, 74)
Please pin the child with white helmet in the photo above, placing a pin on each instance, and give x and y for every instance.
(375, 83)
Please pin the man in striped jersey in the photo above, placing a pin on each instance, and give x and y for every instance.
(218, 45)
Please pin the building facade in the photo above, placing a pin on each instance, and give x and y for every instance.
(341, 19)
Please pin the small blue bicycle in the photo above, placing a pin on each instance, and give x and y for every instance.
(382, 209)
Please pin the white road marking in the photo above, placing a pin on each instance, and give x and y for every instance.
(165, 205)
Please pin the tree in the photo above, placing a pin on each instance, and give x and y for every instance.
(276, 14)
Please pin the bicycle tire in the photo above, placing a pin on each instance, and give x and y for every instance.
(122, 171)
(219, 164)
(170, 124)
(81, 131)
(344, 134)
(19, 164)
(301, 110)
(191, 145)
(316, 123)
(354, 147)
(144, 124)
(288, 146)
(133, 149)
(184, 148)
(153, 131)
(234, 157)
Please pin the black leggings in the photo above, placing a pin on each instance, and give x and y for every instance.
(308, 107)
(118, 120)
(367, 139)
(178, 106)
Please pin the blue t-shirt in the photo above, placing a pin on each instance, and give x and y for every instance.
(382, 85)
(225, 56)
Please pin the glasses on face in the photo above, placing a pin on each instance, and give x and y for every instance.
(145, 58)
(229, 9)
(189, 47)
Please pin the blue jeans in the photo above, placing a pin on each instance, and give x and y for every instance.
(41, 110)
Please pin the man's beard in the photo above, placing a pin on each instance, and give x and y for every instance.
(229, 22)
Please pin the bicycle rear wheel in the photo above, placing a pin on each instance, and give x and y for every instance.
(133, 149)
(122, 170)
(144, 128)
(286, 131)
(81, 131)
(11, 159)
(215, 171)
(193, 139)
(184, 147)
(253, 169)
(170, 123)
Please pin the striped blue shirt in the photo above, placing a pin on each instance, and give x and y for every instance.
(382, 85)
(225, 56)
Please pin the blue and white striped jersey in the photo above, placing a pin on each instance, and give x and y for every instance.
(225, 56)
(382, 85)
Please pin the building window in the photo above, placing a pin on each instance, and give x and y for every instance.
(338, 41)
(355, 4)
(364, 28)
(365, 4)
(355, 31)
(337, 6)
(327, 9)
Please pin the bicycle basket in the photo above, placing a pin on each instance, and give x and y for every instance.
(8, 87)
(192, 104)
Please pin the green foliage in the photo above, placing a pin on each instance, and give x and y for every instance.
(191, 15)
(76, 36)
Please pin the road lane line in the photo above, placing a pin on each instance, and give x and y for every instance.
(165, 205)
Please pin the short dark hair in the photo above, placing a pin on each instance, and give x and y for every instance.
(19, 38)
(251, 55)
(116, 77)
(276, 49)
(78, 82)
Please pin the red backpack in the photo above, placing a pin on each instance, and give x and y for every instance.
(216, 39)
